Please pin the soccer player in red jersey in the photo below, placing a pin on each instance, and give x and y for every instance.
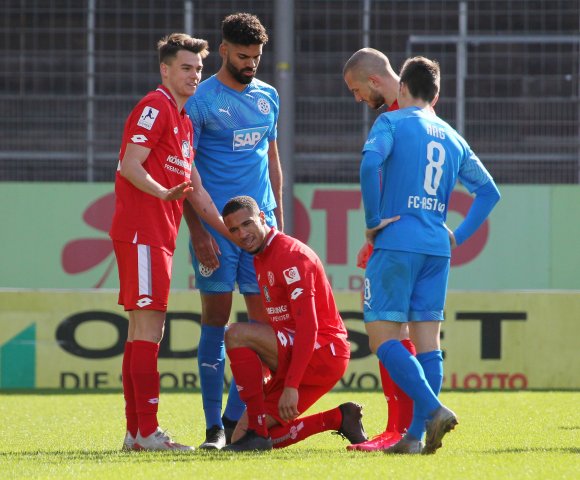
(154, 176)
(369, 76)
(304, 345)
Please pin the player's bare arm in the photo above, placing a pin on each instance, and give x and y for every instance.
(132, 169)
(204, 206)
(276, 179)
(371, 233)
(204, 245)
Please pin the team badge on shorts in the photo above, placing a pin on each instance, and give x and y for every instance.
(205, 271)
(264, 106)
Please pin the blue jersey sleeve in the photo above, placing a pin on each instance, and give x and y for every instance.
(486, 197)
(472, 173)
(194, 115)
(273, 134)
(370, 181)
(381, 137)
(375, 150)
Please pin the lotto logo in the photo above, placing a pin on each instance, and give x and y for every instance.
(248, 138)
(296, 293)
(138, 138)
(143, 302)
(153, 401)
(291, 275)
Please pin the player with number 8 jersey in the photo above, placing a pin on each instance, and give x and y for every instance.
(411, 162)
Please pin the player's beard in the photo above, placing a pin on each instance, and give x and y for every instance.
(239, 74)
(376, 100)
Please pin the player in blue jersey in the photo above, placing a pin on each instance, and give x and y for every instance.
(419, 158)
(234, 118)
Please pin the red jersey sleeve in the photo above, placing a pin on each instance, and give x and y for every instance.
(147, 123)
(301, 291)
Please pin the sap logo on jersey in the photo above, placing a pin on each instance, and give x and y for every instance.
(248, 138)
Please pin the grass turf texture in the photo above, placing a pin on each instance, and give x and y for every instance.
(500, 435)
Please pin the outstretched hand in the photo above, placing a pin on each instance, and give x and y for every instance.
(179, 191)
(371, 233)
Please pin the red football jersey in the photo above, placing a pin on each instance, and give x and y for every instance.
(139, 217)
(299, 302)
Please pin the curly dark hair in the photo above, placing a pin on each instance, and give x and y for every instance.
(244, 29)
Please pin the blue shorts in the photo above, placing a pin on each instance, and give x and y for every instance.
(405, 286)
(236, 266)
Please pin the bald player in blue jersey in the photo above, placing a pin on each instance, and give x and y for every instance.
(411, 162)
(234, 117)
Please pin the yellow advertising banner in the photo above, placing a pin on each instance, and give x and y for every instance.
(491, 340)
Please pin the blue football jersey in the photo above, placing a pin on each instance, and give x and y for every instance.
(422, 158)
(231, 132)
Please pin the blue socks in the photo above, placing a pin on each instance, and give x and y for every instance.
(211, 356)
(408, 373)
(432, 363)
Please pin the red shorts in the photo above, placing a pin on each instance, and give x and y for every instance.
(144, 276)
(321, 375)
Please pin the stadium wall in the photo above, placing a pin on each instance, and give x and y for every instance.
(54, 235)
(491, 340)
(515, 289)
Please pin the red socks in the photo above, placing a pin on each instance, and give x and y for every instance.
(247, 370)
(400, 405)
(145, 378)
(301, 428)
(128, 392)
(405, 402)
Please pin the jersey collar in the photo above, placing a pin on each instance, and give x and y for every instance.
(269, 237)
(167, 93)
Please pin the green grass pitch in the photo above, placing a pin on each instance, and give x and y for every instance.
(511, 435)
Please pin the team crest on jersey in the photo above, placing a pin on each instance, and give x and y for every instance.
(185, 149)
(271, 278)
(264, 106)
(148, 117)
(267, 294)
(248, 138)
(291, 275)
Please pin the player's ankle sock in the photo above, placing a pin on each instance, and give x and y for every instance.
(247, 369)
(211, 360)
(407, 372)
(145, 379)
(432, 363)
(128, 391)
(301, 428)
(234, 405)
(389, 390)
(405, 403)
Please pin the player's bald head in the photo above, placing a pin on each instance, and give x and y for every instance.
(366, 62)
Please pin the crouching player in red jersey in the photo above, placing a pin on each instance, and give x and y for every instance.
(154, 175)
(305, 344)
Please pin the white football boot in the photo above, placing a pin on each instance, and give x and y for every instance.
(159, 440)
